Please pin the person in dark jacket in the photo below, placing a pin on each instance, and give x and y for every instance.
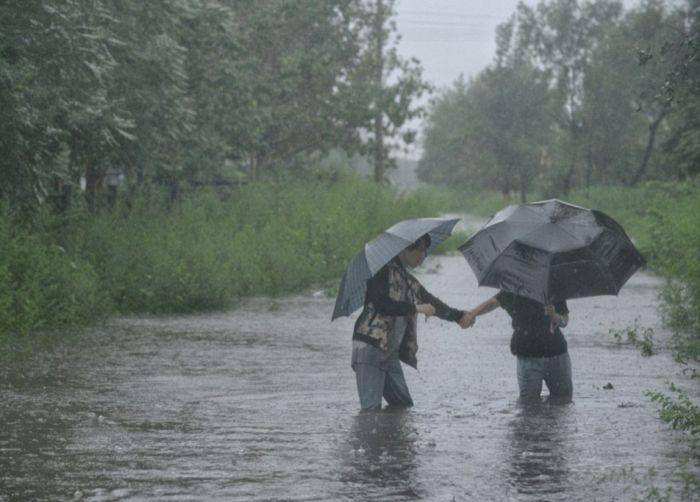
(385, 332)
(537, 342)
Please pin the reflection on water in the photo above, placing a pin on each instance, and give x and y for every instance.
(380, 455)
(35, 436)
(539, 451)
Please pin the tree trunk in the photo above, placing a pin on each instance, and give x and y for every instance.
(253, 166)
(174, 191)
(569, 176)
(378, 122)
(589, 169)
(92, 184)
(505, 191)
(650, 147)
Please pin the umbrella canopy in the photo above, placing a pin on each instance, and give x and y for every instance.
(551, 251)
(379, 251)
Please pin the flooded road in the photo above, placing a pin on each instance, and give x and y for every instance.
(259, 403)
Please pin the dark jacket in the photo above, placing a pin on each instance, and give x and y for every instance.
(531, 331)
(391, 293)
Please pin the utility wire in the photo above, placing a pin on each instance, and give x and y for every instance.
(438, 23)
(450, 15)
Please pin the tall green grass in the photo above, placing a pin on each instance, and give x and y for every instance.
(201, 253)
(206, 251)
(42, 286)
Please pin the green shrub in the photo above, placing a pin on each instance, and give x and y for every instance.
(679, 412)
(641, 338)
(204, 252)
(43, 287)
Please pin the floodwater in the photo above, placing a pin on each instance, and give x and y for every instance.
(259, 403)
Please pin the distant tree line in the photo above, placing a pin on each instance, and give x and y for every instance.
(579, 93)
(180, 93)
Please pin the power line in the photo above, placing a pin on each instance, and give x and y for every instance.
(440, 24)
(450, 15)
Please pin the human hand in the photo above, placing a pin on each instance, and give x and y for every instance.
(425, 308)
(555, 319)
(467, 320)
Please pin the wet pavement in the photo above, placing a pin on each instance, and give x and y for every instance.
(259, 403)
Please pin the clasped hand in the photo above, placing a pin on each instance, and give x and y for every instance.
(467, 320)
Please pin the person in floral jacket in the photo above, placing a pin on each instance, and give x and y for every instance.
(385, 331)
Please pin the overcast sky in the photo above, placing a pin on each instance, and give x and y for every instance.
(450, 37)
(453, 37)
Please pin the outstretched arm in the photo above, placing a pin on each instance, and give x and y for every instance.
(440, 308)
(481, 309)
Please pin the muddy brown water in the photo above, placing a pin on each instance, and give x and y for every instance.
(259, 403)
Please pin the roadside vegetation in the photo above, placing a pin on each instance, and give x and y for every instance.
(201, 253)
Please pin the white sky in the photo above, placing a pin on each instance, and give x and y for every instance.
(450, 37)
(453, 37)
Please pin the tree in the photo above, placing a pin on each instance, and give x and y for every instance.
(681, 87)
(649, 24)
(390, 82)
(220, 84)
(621, 109)
(446, 153)
(152, 83)
(55, 72)
(559, 37)
(170, 92)
(495, 131)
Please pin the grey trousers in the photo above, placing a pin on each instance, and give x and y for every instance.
(555, 371)
(377, 381)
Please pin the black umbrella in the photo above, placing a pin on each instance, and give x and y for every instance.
(551, 251)
(379, 251)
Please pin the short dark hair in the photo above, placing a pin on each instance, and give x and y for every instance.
(424, 239)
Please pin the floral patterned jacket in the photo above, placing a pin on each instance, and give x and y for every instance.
(391, 293)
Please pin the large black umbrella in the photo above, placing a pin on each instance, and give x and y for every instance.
(379, 251)
(551, 251)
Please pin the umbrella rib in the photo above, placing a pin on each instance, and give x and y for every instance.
(576, 238)
(606, 273)
(546, 285)
(563, 229)
(532, 211)
(487, 270)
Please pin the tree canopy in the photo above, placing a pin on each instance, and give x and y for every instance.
(190, 92)
(579, 93)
